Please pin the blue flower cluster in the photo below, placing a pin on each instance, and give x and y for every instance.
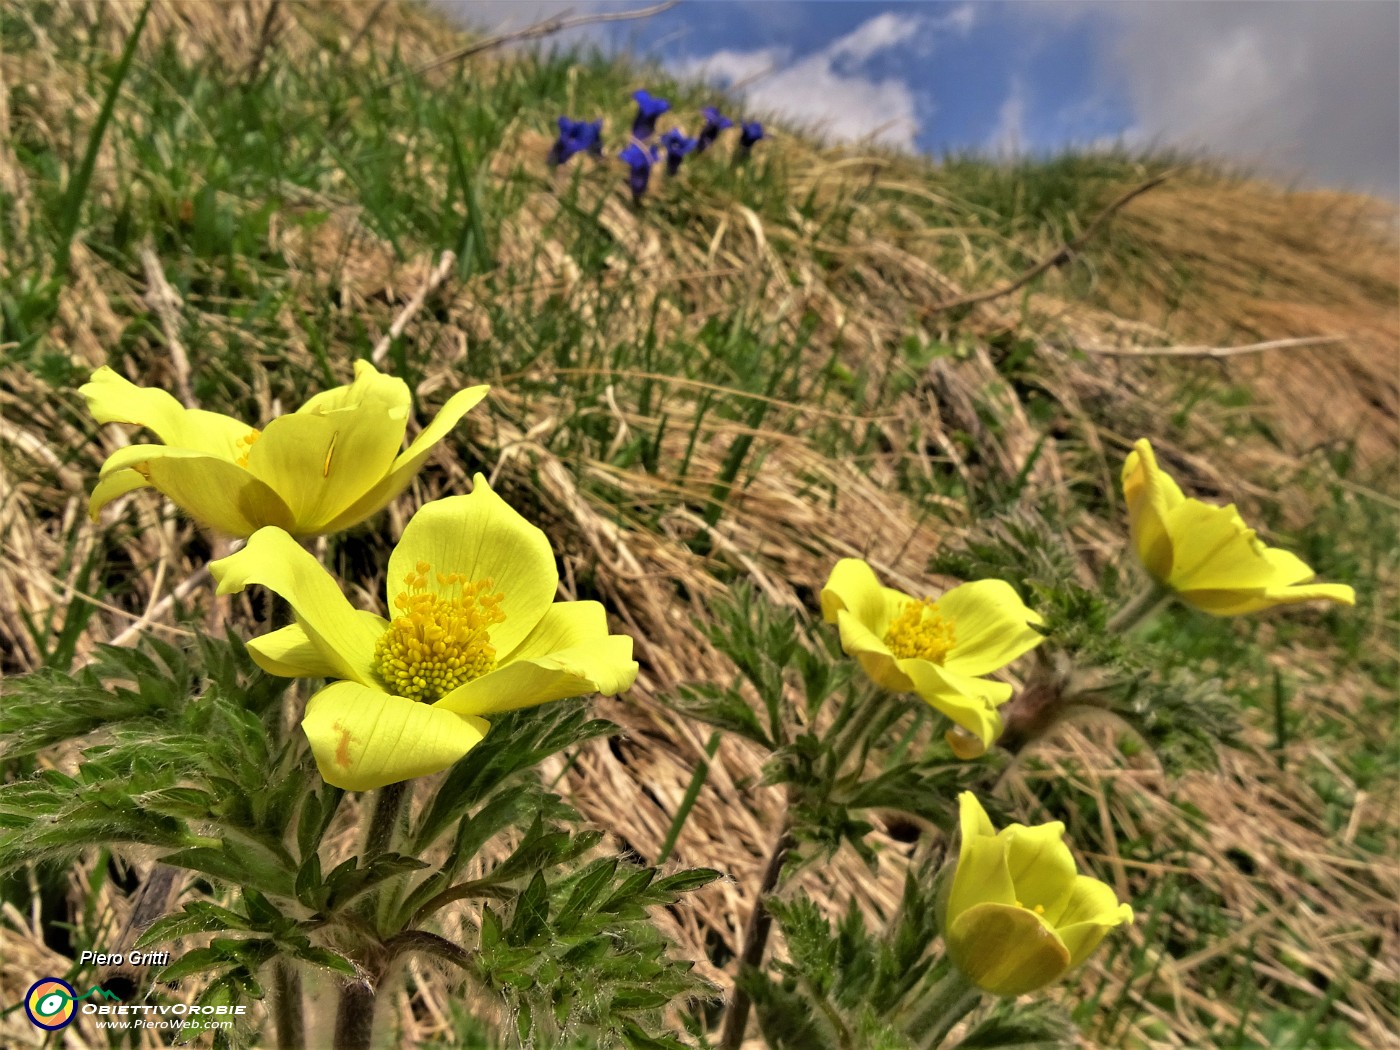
(580, 136)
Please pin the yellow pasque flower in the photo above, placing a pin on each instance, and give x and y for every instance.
(1207, 555)
(332, 463)
(1019, 916)
(937, 649)
(475, 632)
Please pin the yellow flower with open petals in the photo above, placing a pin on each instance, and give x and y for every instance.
(1019, 916)
(1207, 555)
(938, 649)
(475, 632)
(331, 464)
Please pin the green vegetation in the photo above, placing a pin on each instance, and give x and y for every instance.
(712, 396)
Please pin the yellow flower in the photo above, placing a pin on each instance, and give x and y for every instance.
(476, 631)
(1019, 917)
(332, 463)
(937, 649)
(1207, 555)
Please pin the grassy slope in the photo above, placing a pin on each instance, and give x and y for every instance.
(753, 358)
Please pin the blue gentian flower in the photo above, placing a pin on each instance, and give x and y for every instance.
(576, 136)
(639, 159)
(749, 134)
(677, 146)
(715, 122)
(649, 107)
(566, 145)
(590, 136)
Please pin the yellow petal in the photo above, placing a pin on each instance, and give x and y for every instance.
(215, 492)
(1041, 865)
(871, 653)
(290, 653)
(1006, 950)
(853, 587)
(369, 384)
(981, 875)
(990, 626)
(1235, 573)
(1213, 549)
(481, 537)
(973, 821)
(1151, 495)
(112, 485)
(1091, 911)
(111, 398)
(410, 460)
(969, 702)
(323, 463)
(364, 738)
(570, 653)
(963, 744)
(344, 638)
(1233, 603)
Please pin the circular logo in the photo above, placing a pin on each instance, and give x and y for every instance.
(49, 1003)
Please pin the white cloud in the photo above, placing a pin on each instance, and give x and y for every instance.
(734, 68)
(1301, 89)
(830, 89)
(875, 35)
(959, 20)
(1009, 135)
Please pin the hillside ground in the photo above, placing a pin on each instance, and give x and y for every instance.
(763, 368)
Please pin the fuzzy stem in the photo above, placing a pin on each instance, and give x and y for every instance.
(385, 818)
(1139, 607)
(755, 941)
(947, 1003)
(354, 1018)
(288, 1012)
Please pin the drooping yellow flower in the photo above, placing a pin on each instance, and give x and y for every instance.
(1207, 555)
(938, 649)
(1019, 916)
(475, 632)
(332, 463)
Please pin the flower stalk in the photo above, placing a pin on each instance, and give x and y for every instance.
(288, 1010)
(1139, 608)
(950, 999)
(736, 1019)
(354, 1018)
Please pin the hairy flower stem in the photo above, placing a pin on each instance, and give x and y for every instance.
(288, 1010)
(947, 1003)
(1139, 608)
(354, 1019)
(385, 819)
(755, 941)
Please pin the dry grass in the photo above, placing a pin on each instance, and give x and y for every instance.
(1271, 265)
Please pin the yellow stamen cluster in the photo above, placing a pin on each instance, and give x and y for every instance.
(440, 637)
(920, 632)
(244, 445)
(1039, 909)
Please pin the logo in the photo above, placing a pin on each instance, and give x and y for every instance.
(49, 1003)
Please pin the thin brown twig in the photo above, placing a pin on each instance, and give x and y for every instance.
(265, 38)
(194, 581)
(166, 303)
(365, 26)
(439, 274)
(1059, 255)
(1213, 351)
(546, 27)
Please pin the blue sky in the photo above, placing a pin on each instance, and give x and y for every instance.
(1307, 90)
